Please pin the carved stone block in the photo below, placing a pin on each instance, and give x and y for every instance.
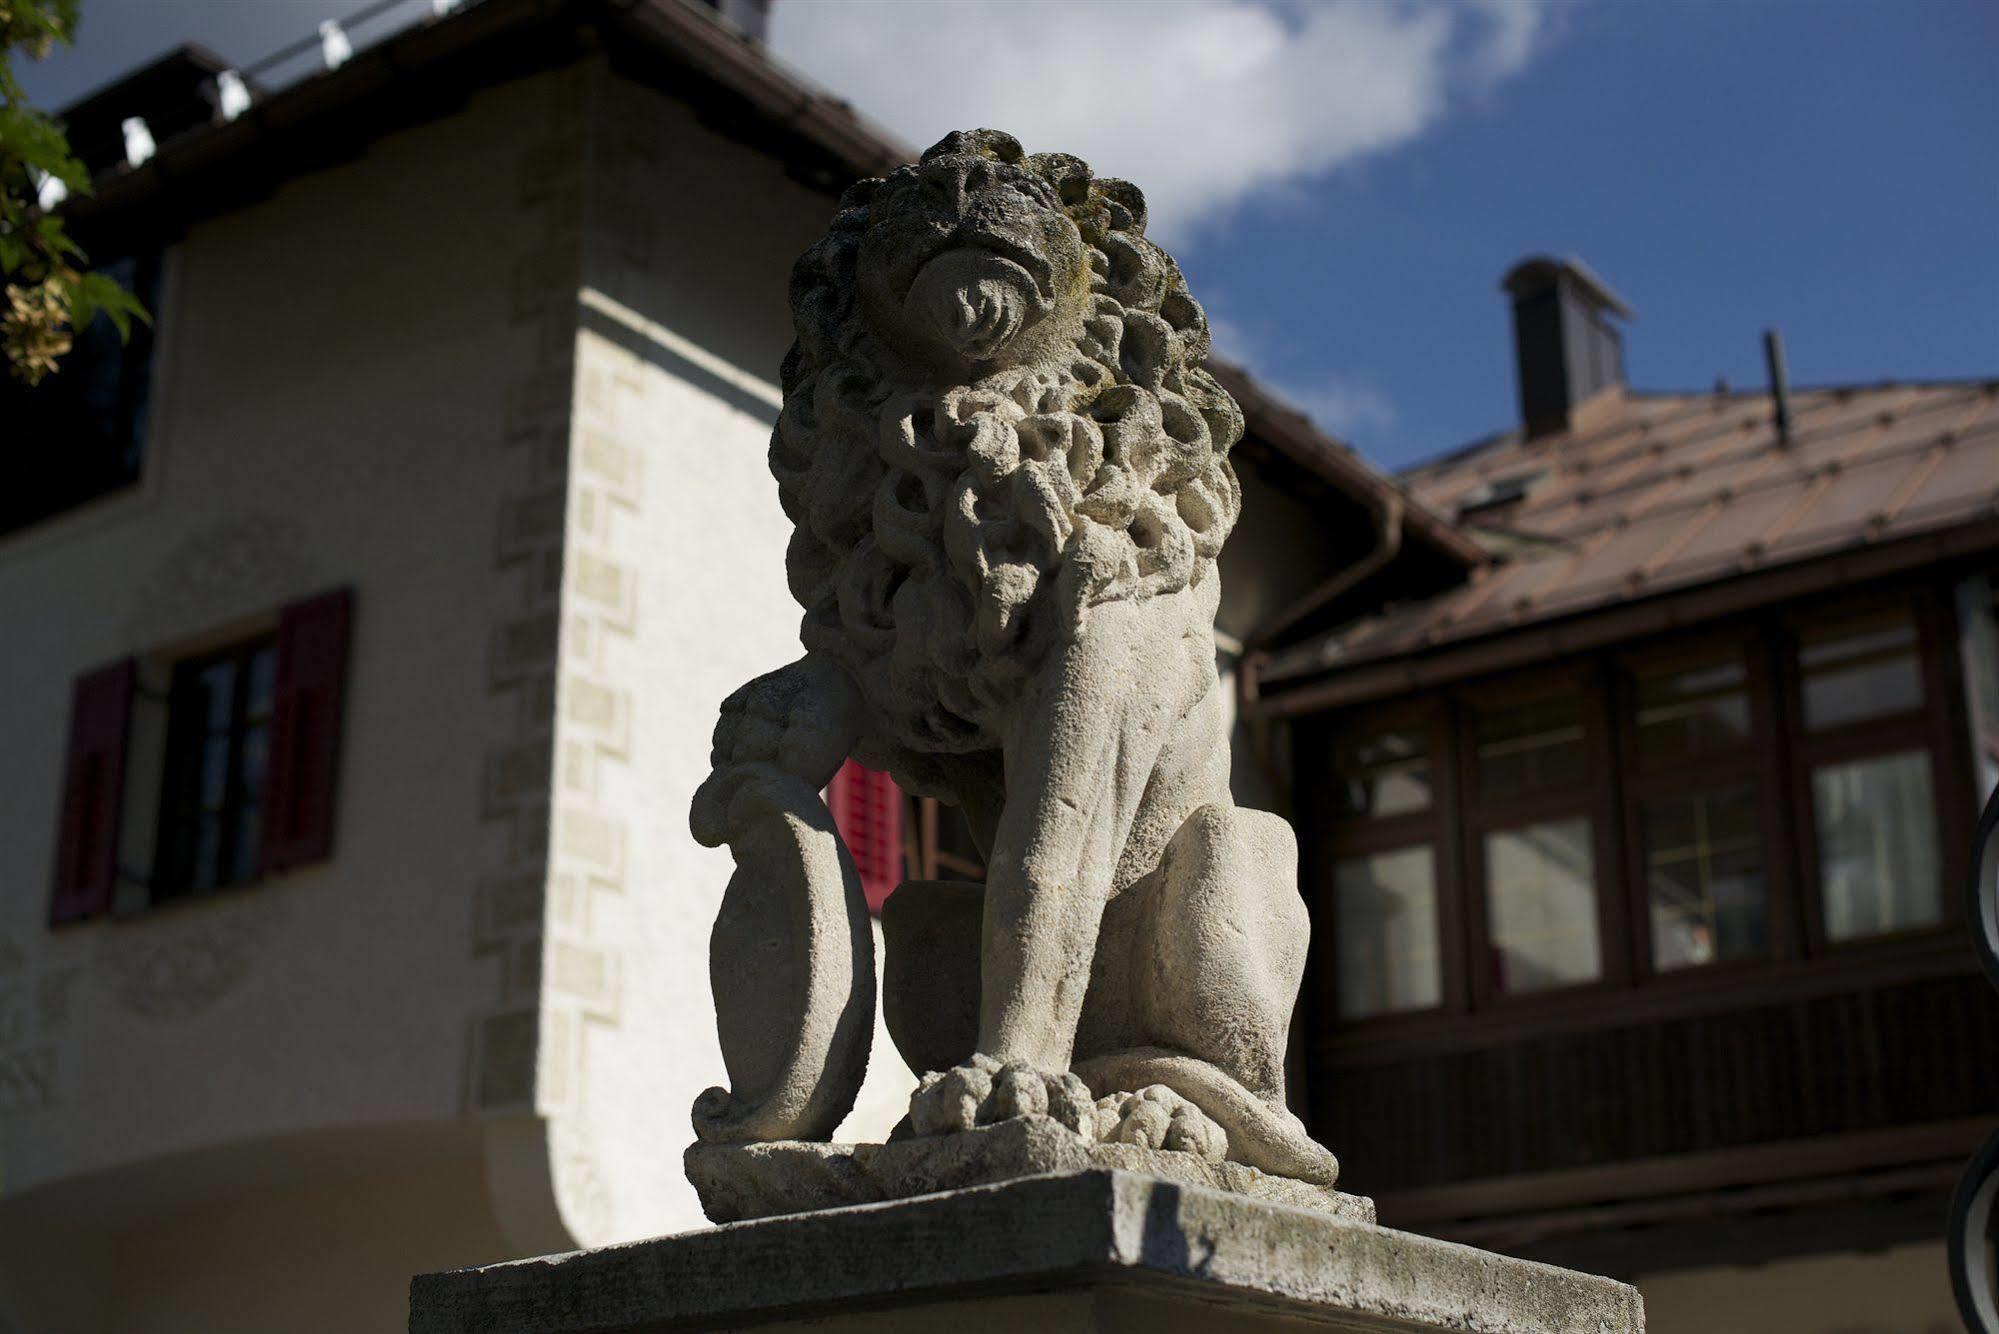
(739, 1181)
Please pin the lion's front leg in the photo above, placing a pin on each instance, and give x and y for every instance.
(1078, 758)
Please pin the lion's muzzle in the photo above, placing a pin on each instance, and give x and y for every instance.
(976, 302)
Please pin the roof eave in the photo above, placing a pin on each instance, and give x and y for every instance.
(1373, 677)
(1292, 434)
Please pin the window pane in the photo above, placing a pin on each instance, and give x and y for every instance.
(1704, 877)
(1531, 747)
(1387, 773)
(207, 870)
(218, 689)
(1861, 669)
(214, 784)
(256, 754)
(1541, 905)
(1385, 915)
(1688, 708)
(1877, 845)
(263, 682)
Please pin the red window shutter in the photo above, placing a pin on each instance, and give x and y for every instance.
(867, 808)
(305, 731)
(93, 793)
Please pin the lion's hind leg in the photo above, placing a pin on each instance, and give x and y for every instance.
(1216, 953)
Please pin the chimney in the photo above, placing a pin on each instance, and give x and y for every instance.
(1565, 348)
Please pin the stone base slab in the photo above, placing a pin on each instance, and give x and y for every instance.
(741, 1181)
(1087, 1251)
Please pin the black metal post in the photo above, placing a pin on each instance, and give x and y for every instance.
(1780, 383)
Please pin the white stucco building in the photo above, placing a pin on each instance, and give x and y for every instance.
(363, 650)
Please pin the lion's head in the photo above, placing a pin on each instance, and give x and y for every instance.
(994, 419)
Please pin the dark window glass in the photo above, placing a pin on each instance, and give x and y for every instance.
(1859, 670)
(218, 744)
(1541, 905)
(1385, 918)
(1704, 878)
(1877, 840)
(78, 434)
(1386, 773)
(1531, 747)
(1691, 707)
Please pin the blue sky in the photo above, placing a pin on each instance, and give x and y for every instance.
(1346, 182)
(1831, 168)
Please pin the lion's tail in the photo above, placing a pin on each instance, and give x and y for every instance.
(1263, 1136)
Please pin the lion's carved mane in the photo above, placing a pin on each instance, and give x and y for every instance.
(956, 518)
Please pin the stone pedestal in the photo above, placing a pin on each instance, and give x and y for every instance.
(1082, 1251)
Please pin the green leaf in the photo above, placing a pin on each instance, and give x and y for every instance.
(97, 292)
(82, 305)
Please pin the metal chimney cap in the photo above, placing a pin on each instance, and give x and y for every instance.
(1537, 273)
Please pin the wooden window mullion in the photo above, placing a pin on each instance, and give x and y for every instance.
(1784, 880)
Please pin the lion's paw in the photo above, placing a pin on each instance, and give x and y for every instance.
(982, 1091)
(1156, 1117)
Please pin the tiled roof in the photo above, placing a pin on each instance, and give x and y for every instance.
(1654, 493)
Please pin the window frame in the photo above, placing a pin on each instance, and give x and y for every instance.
(1799, 959)
(172, 875)
(1594, 797)
(138, 394)
(1330, 839)
(1939, 729)
(1765, 776)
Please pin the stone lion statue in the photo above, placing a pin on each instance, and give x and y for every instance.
(1009, 477)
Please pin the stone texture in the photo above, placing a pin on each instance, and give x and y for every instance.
(1088, 1251)
(1009, 477)
(741, 1181)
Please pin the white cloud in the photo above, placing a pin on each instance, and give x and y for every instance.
(1202, 104)
(1342, 407)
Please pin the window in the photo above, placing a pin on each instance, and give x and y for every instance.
(1381, 774)
(86, 423)
(1695, 819)
(1374, 803)
(1531, 747)
(1534, 822)
(241, 783)
(1857, 670)
(1690, 708)
(1385, 923)
(1766, 791)
(1866, 753)
(867, 810)
(1540, 884)
(1704, 878)
(1877, 845)
(218, 752)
